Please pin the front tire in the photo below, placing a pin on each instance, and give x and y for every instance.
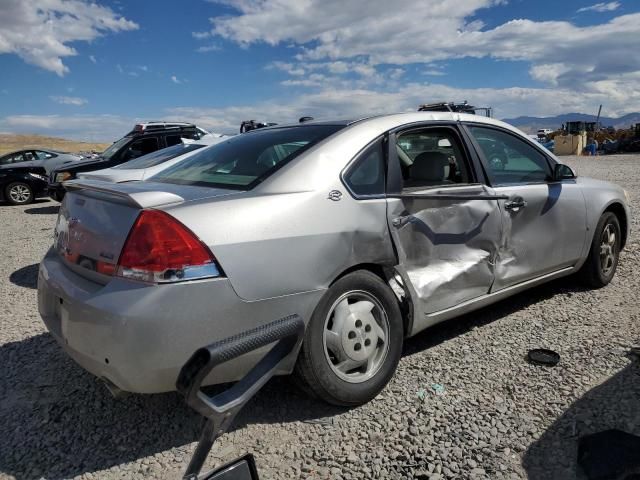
(602, 262)
(19, 193)
(353, 342)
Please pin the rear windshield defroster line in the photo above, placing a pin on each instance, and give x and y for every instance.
(243, 161)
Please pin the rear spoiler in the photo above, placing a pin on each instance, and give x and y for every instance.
(139, 199)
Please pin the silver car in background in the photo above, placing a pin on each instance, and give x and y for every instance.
(153, 163)
(371, 231)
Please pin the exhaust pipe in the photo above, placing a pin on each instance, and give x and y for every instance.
(115, 391)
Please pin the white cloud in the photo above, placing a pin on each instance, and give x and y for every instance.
(201, 35)
(344, 102)
(41, 32)
(373, 34)
(63, 100)
(601, 7)
(93, 59)
(433, 72)
(208, 48)
(175, 79)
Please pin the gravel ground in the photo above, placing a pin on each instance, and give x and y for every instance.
(498, 417)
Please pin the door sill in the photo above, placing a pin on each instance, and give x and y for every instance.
(430, 319)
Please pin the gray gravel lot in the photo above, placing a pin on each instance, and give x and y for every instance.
(499, 417)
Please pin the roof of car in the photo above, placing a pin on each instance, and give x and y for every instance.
(402, 118)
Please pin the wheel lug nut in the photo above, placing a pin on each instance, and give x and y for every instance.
(367, 328)
(357, 347)
(367, 342)
(352, 335)
(358, 323)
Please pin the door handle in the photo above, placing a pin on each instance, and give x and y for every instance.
(515, 205)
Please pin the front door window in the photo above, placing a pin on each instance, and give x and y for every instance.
(510, 160)
(431, 157)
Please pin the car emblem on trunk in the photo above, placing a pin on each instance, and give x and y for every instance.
(335, 195)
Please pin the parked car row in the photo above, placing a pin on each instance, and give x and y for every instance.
(31, 173)
(370, 231)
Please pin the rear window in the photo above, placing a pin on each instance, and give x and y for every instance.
(243, 161)
(159, 156)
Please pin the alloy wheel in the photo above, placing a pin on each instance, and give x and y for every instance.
(608, 249)
(356, 336)
(20, 193)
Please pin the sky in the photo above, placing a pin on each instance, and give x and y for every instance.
(89, 70)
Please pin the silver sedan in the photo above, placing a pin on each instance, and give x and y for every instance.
(371, 231)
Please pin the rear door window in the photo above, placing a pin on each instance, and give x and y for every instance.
(44, 155)
(173, 140)
(141, 147)
(243, 161)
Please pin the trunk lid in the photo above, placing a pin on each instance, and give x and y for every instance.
(96, 217)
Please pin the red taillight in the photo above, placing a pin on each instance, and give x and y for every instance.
(160, 248)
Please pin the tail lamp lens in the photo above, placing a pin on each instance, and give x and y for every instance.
(161, 249)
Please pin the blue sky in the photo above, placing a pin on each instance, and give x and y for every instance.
(88, 71)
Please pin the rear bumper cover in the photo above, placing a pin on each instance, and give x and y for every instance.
(138, 336)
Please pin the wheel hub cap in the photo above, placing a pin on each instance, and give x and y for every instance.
(356, 336)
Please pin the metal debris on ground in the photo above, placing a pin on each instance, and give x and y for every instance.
(543, 356)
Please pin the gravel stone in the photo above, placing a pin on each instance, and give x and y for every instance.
(499, 418)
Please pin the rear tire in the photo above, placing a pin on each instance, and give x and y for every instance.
(18, 193)
(600, 266)
(353, 342)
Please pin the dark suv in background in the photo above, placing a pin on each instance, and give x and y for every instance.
(144, 138)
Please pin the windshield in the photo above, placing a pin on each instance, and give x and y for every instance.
(159, 156)
(244, 160)
(115, 147)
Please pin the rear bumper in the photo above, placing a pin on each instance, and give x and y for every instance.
(138, 336)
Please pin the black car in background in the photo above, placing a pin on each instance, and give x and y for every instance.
(20, 185)
(144, 138)
(38, 157)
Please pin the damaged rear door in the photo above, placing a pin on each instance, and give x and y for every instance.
(445, 223)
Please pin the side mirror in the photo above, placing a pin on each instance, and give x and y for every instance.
(563, 172)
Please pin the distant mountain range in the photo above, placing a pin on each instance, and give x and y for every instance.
(532, 124)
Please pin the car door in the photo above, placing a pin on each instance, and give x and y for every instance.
(544, 221)
(444, 221)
